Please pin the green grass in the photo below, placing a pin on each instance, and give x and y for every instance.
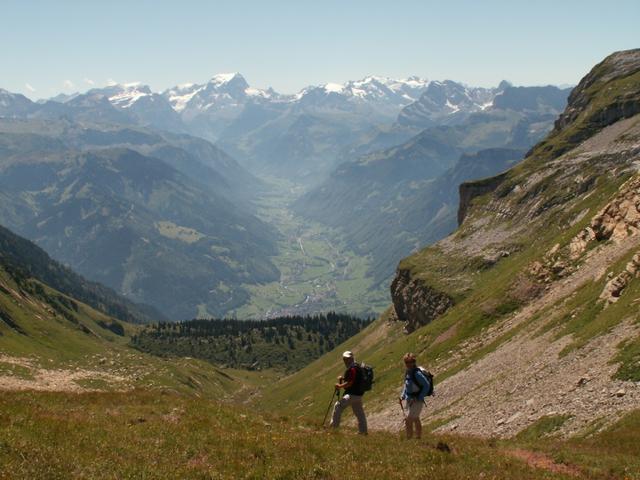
(629, 358)
(162, 434)
(165, 435)
(541, 428)
(66, 339)
(18, 371)
(610, 454)
(93, 383)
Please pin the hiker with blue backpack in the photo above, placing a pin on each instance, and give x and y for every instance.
(355, 381)
(418, 384)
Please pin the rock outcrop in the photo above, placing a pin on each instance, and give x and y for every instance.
(471, 190)
(619, 219)
(614, 287)
(617, 65)
(416, 303)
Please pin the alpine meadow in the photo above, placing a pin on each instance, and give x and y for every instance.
(405, 245)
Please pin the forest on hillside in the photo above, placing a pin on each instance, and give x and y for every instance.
(283, 343)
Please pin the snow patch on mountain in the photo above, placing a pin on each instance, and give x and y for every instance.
(333, 88)
(222, 78)
(180, 96)
(441, 100)
(128, 94)
(373, 88)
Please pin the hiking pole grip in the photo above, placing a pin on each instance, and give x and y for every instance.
(337, 393)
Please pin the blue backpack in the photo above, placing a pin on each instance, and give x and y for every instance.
(428, 375)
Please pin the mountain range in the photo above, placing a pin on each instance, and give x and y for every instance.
(304, 135)
(124, 185)
(395, 200)
(164, 219)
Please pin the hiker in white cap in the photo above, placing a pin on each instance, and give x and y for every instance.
(352, 383)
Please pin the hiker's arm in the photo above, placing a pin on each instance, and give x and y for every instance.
(346, 384)
(405, 391)
(351, 376)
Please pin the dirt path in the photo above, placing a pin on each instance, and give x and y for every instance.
(541, 461)
(76, 380)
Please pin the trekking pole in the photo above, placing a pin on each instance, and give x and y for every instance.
(336, 393)
(404, 416)
(402, 408)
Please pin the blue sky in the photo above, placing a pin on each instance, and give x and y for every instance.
(63, 46)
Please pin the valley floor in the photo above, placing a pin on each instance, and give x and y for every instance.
(319, 272)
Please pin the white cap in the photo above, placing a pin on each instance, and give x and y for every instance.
(347, 354)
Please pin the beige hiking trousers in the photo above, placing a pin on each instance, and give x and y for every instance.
(356, 405)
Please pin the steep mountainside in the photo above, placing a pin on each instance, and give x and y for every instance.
(174, 238)
(148, 108)
(23, 260)
(53, 341)
(14, 104)
(209, 108)
(526, 314)
(127, 104)
(396, 200)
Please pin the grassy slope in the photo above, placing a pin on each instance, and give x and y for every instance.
(143, 434)
(47, 341)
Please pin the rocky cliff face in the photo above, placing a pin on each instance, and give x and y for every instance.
(470, 190)
(616, 66)
(416, 303)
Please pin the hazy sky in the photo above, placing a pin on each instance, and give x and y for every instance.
(49, 47)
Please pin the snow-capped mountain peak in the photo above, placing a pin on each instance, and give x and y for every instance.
(371, 88)
(224, 90)
(125, 95)
(180, 96)
(224, 78)
(448, 101)
(334, 88)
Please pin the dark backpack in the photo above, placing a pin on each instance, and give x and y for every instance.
(428, 375)
(366, 377)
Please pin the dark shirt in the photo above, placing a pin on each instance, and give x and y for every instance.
(351, 378)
